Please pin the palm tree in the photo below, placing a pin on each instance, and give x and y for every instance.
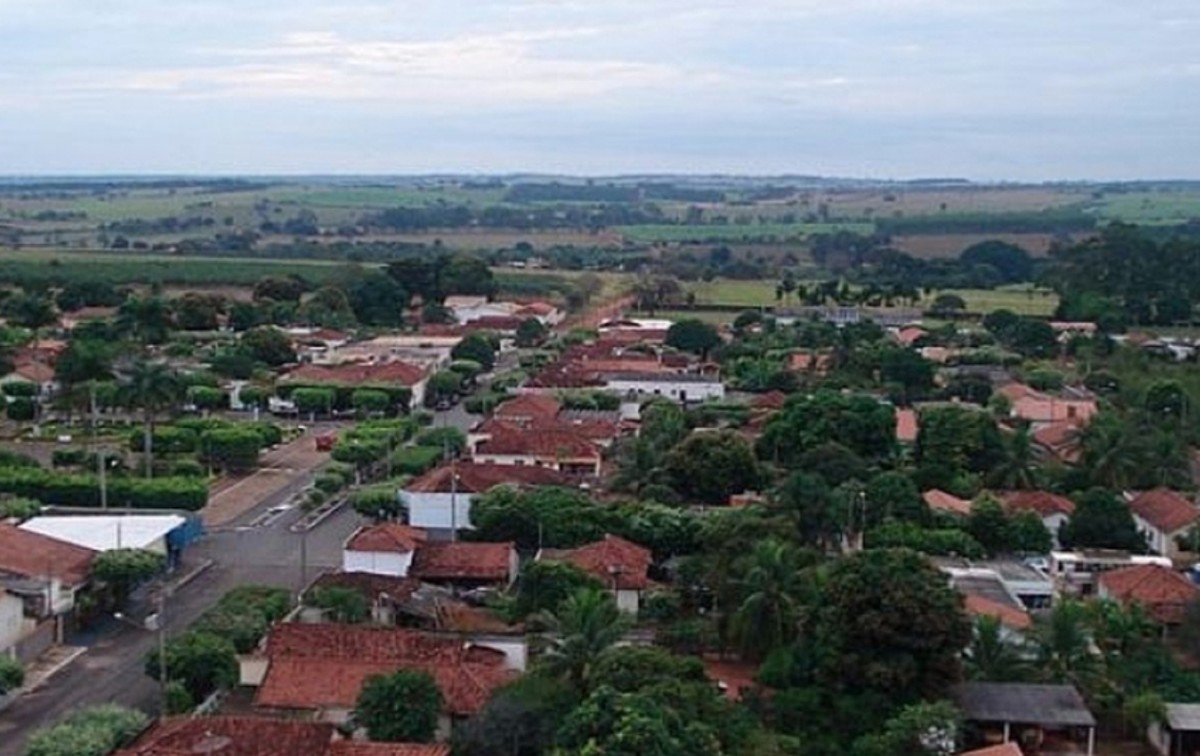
(993, 658)
(145, 319)
(152, 387)
(1016, 471)
(769, 613)
(584, 625)
(1064, 645)
(1111, 452)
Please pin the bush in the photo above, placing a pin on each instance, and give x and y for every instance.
(592, 400)
(443, 438)
(208, 398)
(377, 502)
(329, 484)
(484, 403)
(188, 468)
(12, 674)
(414, 460)
(95, 731)
(17, 459)
(19, 388)
(19, 509)
(232, 449)
(244, 614)
(21, 409)
(340, 604)
(203, 662)
(271, 434)
(69, 458)
(167, 440)
(83, 490)
(344, 473)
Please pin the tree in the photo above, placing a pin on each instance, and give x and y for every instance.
(991, 657)
(955, 446)
(908, 370)
(94, 731)
(520, 719)
(583, 626)
(545, 585)
(375, 297)
(198, 312)
(1017, 468)
(476, 347)
(203, 662)
(369, 402)
(313, 401)
(692, 335)
(948, 306)
(1102, 521)
(988, 525)
(1064, 647)
(921, 729)
(344, 605)
(268, 345)
(328, 307)
(233, 449)
(892, 624)
(894, 496)
(1013, 263)
(122, 570)
(1002, 324)
(530, 333)
(1166, 401)
(207, 398)
(711, 466)
(148, 319)
(444, 384)
(243, 316)
(280, 289)
(860, 423)
(29, 310)
(154, 388)
(402, 707)
(768, 615)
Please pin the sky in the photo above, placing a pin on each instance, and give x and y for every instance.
(1023, 90)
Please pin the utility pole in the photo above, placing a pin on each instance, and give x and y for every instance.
(102, 466)
(303, 564)
(160, 620)
(453, 502)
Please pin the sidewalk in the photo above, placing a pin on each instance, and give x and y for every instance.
(45, 666)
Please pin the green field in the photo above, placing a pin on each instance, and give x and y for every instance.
(1022, 300)
(377, 197)
(653, 233)
(1163, 207)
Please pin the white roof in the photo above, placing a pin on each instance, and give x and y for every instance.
(106, 532)
(463, 300)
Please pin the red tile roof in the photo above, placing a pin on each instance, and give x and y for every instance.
(941, 501)
(1164, 593)
(34, 372)
(907, 425)
(325, 666)
(491, 562)
(528, 406)
(1060, 439)
(233, 736)
(363, 748)
(612, 558)
(1043, 503)
(388, 537)
(544, 443)
(1166, 510)
(805, 361)
(479, 477)
(33, 555)
(909, 336)
(359, 374)
(370, 585)
(1011, 617)
(735, 678)
(772, 400)
(1004, 749)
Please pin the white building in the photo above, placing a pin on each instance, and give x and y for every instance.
(108, 532)
(681, 387)
(428, 499)
(12, 621)
(383, 549)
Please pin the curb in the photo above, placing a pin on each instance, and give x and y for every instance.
(195, 573)
(60, 666)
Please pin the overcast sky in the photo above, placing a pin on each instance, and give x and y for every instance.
(987, 89)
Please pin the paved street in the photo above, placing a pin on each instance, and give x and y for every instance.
(111, 670)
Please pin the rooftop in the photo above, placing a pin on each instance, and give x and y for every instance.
(613, 558)
(1183, 717)
(1022, 703)
(1043, 503)
(464, 561)
(388, 537)
(105, 532)
(359, 374)
(552, 442)
(1164, 593)
(940, 501)
(232, 736)
(528, 406)
(33, 555)
(479, 477)
(1004, 749)
(907, 425)
(1166, 510)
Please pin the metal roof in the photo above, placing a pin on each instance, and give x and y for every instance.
(105, 532)
(1046, 705)
(1183, 717)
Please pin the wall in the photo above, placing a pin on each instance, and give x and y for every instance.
(377, 562)
(252, 670)
(36, 643)
(432, 510)
(12, 616)
(628, 601)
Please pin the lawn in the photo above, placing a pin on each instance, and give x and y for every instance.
(761, 293)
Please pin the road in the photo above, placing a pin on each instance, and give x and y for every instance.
(111, 670)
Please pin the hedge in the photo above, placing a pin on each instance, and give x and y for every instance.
(82, 490)
(19, 388)
(400, 396)
(167, 440)
(21, 409)
(414, 460)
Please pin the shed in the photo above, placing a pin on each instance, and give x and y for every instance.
(1027, 713)
(109, 532)
(1179, 734)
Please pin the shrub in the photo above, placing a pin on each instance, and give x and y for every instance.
(414, 460)
(443, 438)
(83, 490)
(188, 468)
(69, 457)
(17, 459)
(232, 449)
(21, 409)
(12, 674)
(377, 502)
(167, 440)
(19, 388)
(19, 509)
(329, 484)
(340, 604)
(95, 731)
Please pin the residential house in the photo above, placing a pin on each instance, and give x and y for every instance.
(466, 309)
(635, 329)
(1041, 718)
(682, 387)
(907, 426)
(547, 313)
(1054, 510)
(620, 565)
(397, 550)
(909, 335)
(1163, 516)
(39, 374)
(1161, 591)
(554, 447)
(262, 736)
(46, 573)
(986, 595)
(1011, 583)
(1040, 409)
(1076, 572)
(319, 669)
(394, 374)
(946, 503)
(1058, 441)
(440, 500)
(526, 409)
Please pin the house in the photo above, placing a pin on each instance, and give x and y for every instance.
(1008, 582)
(36, 373)
(1163, 516)
(1058, 441)
(1054, 510)
(1040, 409)
(469, 308)
(545, 312)
(440, 500)
(1076, 572)
(262, 736)
(48, 574)
(1161, 591)
(986, 595)
(620, 565)
(1179, 732)
(393, 374)
(810, 363)
(528, 408)
(1041, 718)
(397, 550)
(555, 447)
(946, 503)
(319, 669)
(682, 387)
(909, 335)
